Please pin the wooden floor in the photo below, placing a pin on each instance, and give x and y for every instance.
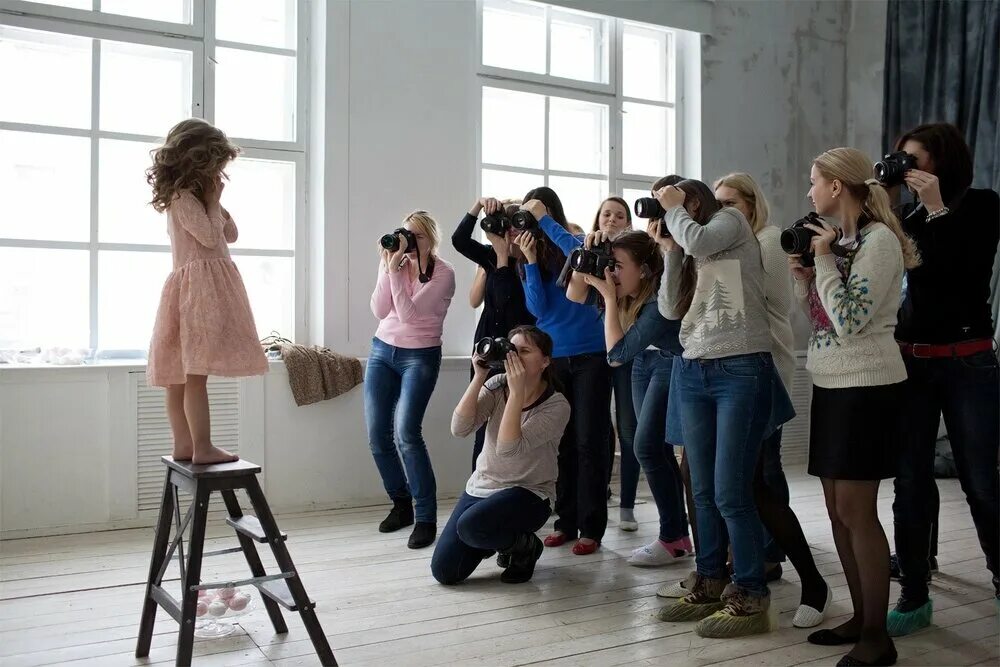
(75, 601)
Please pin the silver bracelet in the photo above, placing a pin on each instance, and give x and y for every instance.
(938, 213)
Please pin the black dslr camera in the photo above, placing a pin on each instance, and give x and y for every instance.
(593, 261)
(523, 221)
(650, 209)
(497, 223)
(797, 239)
(391, 241)
(893, 167)
(492, 352)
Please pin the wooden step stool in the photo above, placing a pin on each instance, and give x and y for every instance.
(284, 589)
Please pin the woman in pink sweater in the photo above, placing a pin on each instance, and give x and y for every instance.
(411, 299)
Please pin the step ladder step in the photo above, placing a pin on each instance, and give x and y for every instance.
(250, 526)
(278, 591)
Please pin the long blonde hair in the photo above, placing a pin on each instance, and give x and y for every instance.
(854, 170)
(428, 226)
(193, 155)
(744, 184)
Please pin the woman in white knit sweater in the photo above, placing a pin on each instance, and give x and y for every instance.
(784, 533)
(852, 295)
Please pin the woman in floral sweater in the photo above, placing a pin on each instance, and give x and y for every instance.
(852, 295)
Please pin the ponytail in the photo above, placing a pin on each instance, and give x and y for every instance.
(877, 206)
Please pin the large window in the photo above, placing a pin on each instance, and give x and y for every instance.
(90, 87)
(583, 103)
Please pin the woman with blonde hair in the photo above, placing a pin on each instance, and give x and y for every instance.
(411, 299)
(783, 533)
(852, 296)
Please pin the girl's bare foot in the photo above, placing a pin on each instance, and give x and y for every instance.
(183, 453)
(213, 454)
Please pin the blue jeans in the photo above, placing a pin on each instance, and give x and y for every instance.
(725, 406)
(650, 389)
(479, 527)
(398, 386)
(966, 390)
(625, 419)
(777, 486)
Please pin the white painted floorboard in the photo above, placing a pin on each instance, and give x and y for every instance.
(75, 600)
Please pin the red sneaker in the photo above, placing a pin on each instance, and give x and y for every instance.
(582, 548)
(555, 540)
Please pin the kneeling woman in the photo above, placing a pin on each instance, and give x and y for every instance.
(509, 495)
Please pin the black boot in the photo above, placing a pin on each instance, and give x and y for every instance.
(522, 556)
(423, 535)
(400, 516)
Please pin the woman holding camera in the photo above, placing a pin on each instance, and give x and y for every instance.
(509, 495)
(945, 333)
(725, 378)
(783, 533)
(580, 368)
(411, 299)
(852, 294)
(639, 337)
(503, 296)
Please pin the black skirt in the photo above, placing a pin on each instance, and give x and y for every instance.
(855, 433)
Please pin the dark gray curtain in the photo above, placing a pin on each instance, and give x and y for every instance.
(942, 64)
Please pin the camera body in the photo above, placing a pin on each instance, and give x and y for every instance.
(523, 221)
(650, 209)
(492, 352)
(496, 224)
(797, 239)
(592, 261)
(891, 169)
(391, 241)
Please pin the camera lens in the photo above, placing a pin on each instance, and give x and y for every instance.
(647, 207)
(523, 220)
(390, 242)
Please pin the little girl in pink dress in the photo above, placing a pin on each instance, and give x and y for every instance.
(204, 325)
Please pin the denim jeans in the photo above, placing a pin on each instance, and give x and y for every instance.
(967, 391)
(581, 490)
(725, 406)
(650, 389)
(625, 419)
(777, 485)
(398, 386)
(479, 527)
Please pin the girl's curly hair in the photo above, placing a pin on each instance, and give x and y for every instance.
(191, 158)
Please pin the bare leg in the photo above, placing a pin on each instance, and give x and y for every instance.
(858, 510)
(842, 538)
(196, 411)
(183, 444)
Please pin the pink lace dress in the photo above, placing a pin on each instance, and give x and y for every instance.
(204, 325)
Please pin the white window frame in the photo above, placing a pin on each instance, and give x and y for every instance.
(610, 94)
(197, 38)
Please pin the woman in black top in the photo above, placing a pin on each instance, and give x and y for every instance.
(503, 303)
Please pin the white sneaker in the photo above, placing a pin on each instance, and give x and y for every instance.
(628, 526)
(678, 589)
(651, 555)
(810, 617)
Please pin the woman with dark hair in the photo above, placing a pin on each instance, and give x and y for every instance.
(726, 388)
(502, 294)
(945, 333)
(509, 495)
(580, 368)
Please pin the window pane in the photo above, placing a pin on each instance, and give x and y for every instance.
(647, 140)
(174, 11)
(45, 78)
(75, 4)
(578, 136)
(270, 284)
(264, 22)
(128, 294)
(44, 298)
(124, 213)
(255, 94)
(513, 128)
(579, 47)
(144, 89)
(514, 35)
(508, 185)
(44, 187)
(645, 63)
(260, 196)
(581, 197)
